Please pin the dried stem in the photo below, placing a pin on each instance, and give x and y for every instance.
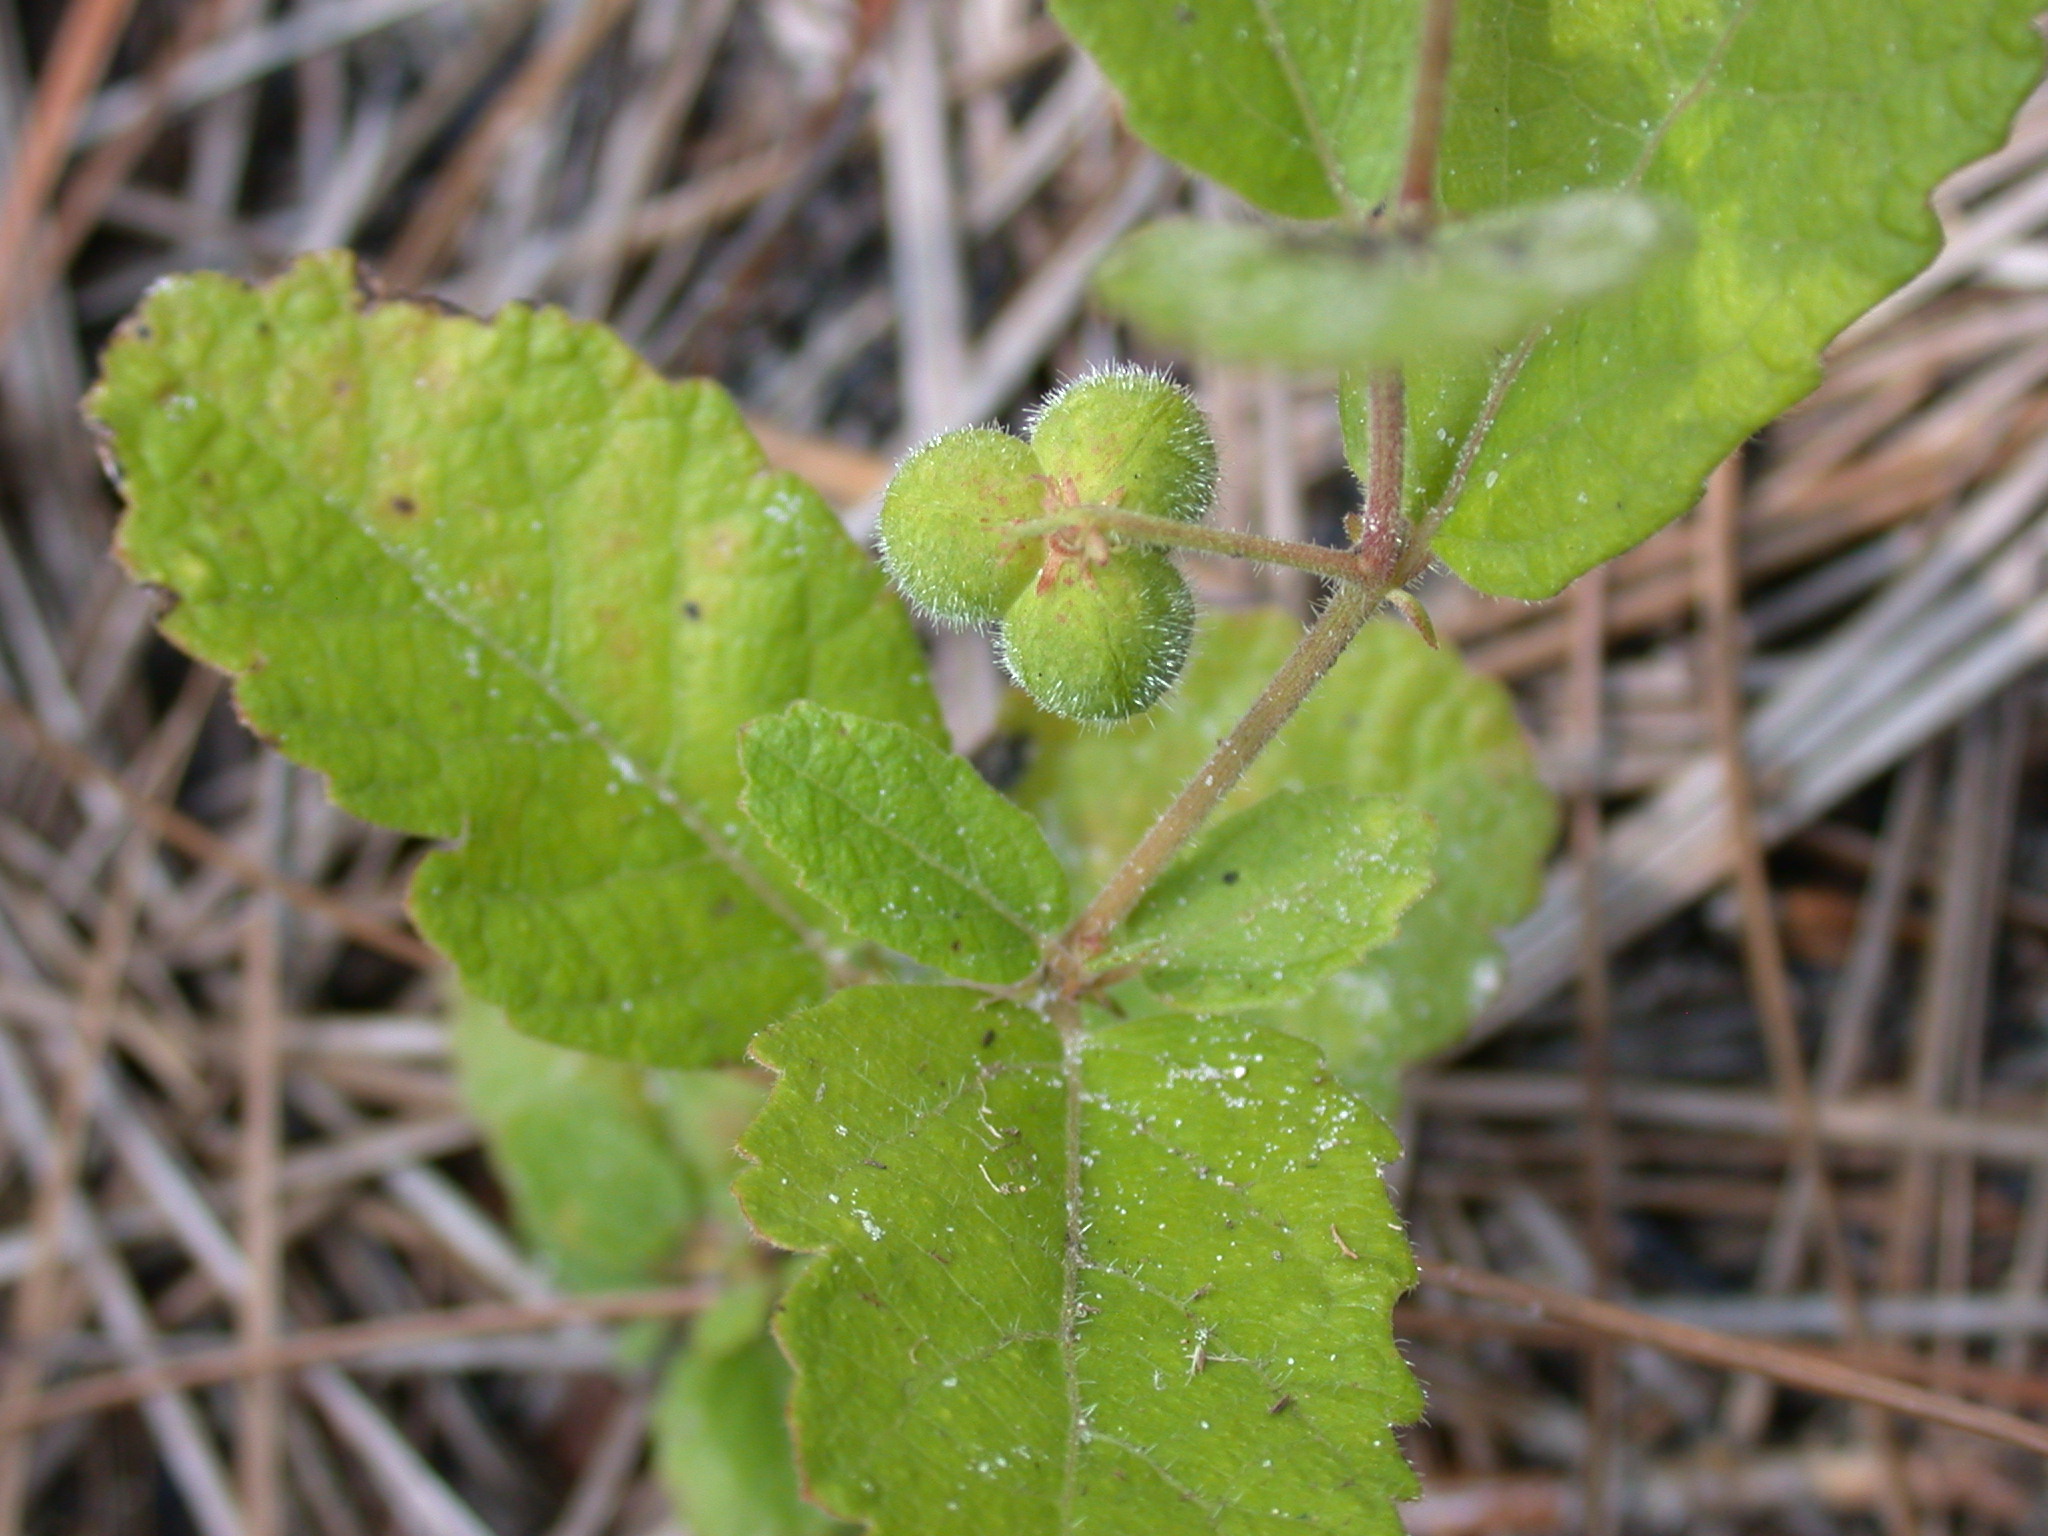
(1795, 1367)
(348, 1341)
(84, 43)
(38, 1299)
(260, 1406)
(195, 841)
(1586, 681)
(1763, 952)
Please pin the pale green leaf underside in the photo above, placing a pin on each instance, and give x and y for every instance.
(1298, 105)
(506, 586)
(595, 1184)
(1244, 293)
(904, 840)
(1393, 717)
(1092, 1285)
(721, 1446)
(1278, 897)
(1799, 138)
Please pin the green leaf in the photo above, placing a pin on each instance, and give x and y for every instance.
(1087, 1282)
(721, 1444)
(1801, 138)
(1393, 717)
(1300, 106)
(507, 587)
(596, 1187)
(904, 841)
(1278, 897)
(1244, 293)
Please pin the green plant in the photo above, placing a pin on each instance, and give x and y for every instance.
(1091, 1187)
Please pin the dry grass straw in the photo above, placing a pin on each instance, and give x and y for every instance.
(240, 1194)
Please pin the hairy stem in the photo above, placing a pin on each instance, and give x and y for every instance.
(1142, 528)
(1382, 527)
(1388, 553)
(1275, 706)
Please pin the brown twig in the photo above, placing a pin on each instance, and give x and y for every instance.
(93, 184)
(195, 841)
(1794, 1367)
(1763, 953)
(36, 1301)
(85, 42)
(440, 214)
(260, 1404)
(347, 1341)
(1585, 717)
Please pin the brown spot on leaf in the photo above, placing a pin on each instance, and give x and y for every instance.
(404, 506)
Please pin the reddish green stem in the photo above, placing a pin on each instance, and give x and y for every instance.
(1142, 528)
(1318, 651)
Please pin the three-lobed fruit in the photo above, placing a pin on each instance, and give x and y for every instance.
(1100, 641)
(948, 521)
(1130, 439)
(1093, 627)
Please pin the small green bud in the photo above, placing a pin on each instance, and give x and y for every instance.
(1100, 641)
(1130, 439)
(946, 521)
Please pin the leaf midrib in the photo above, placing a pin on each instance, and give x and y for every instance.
(623, 763)
(1074, 1044)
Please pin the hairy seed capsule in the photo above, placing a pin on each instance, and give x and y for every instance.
(947, 519)
(1100, 642)
(1131, 439)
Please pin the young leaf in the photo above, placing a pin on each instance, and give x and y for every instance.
(1244, 293)
(904, 841)
(1278, 897)
(1800, 137)
(594, 1182)
(1132, 1279)
(1393, 717)
(505, 585)
(1300, 106)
